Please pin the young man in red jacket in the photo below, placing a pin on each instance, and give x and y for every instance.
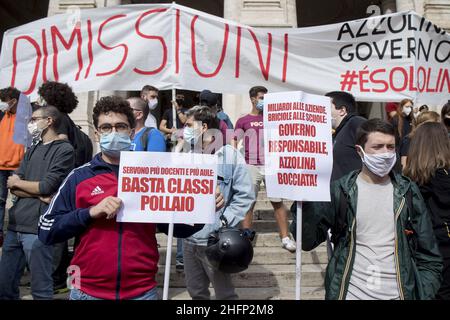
(112, 260)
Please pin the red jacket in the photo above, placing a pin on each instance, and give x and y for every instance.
(115, 260)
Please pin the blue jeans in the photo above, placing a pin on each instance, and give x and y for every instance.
(76, 294)
(179, 255)
(4, 174)
(18, 250)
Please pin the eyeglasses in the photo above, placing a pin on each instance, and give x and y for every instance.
(119, 127)
(134, 109)
(34, 119)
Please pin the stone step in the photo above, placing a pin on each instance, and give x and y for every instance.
(263, 239)
(286, 293)
(267, 214)
(265, 204)
(262, 276)
(266, 226)
(270, 256)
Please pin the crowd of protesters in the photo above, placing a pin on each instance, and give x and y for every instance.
(388, 219)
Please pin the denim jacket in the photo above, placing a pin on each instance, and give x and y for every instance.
(236, 186)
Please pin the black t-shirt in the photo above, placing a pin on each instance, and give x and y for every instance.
(404, 146)
(345, 156)
(168, 116)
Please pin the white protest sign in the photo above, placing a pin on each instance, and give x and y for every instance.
(163, 187)
(380, 58)
(297, 146)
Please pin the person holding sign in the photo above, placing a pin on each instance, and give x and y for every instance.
(235, 186)
(385, 248)
(112, 260)
(250, 128)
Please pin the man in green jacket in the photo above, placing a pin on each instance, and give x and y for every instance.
(385, 248)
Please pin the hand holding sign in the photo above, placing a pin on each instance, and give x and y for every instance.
(220, 202)
(107, 207)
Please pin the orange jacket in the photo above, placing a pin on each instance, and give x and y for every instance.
(10, 153)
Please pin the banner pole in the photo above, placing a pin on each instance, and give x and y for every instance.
(298, 253)
(168, 262)
(174, 112)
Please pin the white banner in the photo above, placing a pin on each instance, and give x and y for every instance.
(382, 58)
(297, 146)
(167, 187)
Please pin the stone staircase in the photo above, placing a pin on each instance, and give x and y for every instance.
(271, 274)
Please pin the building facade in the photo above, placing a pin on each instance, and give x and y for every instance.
(265, 13)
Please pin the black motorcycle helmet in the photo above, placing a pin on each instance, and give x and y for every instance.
(229, 250)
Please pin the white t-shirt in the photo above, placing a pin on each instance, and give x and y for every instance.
(374, 274)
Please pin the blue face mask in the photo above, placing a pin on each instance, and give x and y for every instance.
(260, 105)
(112, 143)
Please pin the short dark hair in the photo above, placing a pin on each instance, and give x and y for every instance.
(9, 93)
(141, 105)
(253, 92)
(373, 125)
(113, 104)
(59, 95)
(205, 115)
(149, 88)
(343, 99)
(51, 112)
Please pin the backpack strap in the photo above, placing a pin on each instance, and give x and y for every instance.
(144, 137)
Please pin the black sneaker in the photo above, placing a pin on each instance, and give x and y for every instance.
(179, 267)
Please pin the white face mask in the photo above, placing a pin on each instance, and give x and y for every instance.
(407, 110)
(35, 131)
(152, 103)
(4, 106)
(379, 164)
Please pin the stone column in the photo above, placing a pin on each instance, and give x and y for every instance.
(406, 5)
(256, 13)
(438, 11)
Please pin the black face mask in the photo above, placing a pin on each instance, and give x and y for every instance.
(180, 102)
(447, 121)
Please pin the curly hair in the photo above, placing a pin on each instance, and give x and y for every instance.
(59, 95)
(113, 104)
(9, 93)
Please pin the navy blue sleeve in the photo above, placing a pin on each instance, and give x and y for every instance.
(156, 141)
(63, 220)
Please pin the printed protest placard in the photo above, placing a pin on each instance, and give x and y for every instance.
(162, 187)
(297, 146)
